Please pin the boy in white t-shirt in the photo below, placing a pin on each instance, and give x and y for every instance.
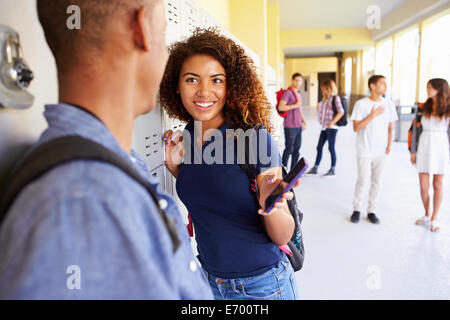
(373, 119)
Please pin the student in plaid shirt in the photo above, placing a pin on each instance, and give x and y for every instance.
(328, 119)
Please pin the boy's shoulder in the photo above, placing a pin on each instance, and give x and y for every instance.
(362, 103)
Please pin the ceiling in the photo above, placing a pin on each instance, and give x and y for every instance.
(324, 14)
(322, 51)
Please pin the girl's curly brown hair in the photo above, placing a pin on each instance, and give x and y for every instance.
(246, 103)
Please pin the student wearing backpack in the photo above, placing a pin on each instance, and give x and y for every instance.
(373, 119)
(430, 148)
(294, 122)
(328, 118)
(211, 84)
(86, 229)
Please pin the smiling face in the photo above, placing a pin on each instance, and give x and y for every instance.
(202, 87)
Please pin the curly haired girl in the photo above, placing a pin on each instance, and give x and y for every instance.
(213, 85)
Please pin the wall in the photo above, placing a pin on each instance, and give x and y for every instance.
(22, 127)
(316, 37)
(310, 67)
(251, 29)
(21, 16)
(219, 10)
(273, 40)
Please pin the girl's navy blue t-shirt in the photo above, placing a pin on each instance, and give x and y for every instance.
(231, 239)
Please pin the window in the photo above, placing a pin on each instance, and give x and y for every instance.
(435, 54)
(406, 49)
(383, 59)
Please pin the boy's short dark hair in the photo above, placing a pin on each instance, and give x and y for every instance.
(295, 75)
(374, 79)
(66, 44)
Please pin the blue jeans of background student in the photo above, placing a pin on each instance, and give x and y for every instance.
(330, 136)
(278, 283)
(293, 142)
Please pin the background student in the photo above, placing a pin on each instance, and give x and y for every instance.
(294, 123)
(328, 120)
(431, 153)
(373, 119)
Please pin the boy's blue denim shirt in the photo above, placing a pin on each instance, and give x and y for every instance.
(86, 230)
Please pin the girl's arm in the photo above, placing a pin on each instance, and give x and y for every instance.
(279, 223)
(174, 151)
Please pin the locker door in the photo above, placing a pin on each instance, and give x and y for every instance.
(147, 138)
(161, 175)
(190, 19)
(173, 17)
(205, 20)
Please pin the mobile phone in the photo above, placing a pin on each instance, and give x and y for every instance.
(286, 184)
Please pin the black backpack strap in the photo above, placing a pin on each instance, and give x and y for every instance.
(63, 150)
(247, 167)
(416, 128)
(333, 105)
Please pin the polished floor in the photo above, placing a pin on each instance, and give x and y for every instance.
(393, 260)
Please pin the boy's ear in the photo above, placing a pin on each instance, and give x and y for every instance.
(142, 29)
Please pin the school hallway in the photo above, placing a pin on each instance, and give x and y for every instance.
(393, 260)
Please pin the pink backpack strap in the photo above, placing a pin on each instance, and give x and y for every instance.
(285, 249)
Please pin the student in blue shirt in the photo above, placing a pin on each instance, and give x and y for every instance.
(86, 230)
(211, 84)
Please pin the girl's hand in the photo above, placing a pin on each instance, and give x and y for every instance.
(413, 158)
(266, 186)
(173, 142)
(388, 149)
(278, 223)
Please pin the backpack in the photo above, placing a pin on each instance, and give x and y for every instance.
(280, 93)
(415, 130)
(342, 122)
(61, 150)
(296, 252)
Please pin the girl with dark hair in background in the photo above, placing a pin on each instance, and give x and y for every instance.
(430, 148)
